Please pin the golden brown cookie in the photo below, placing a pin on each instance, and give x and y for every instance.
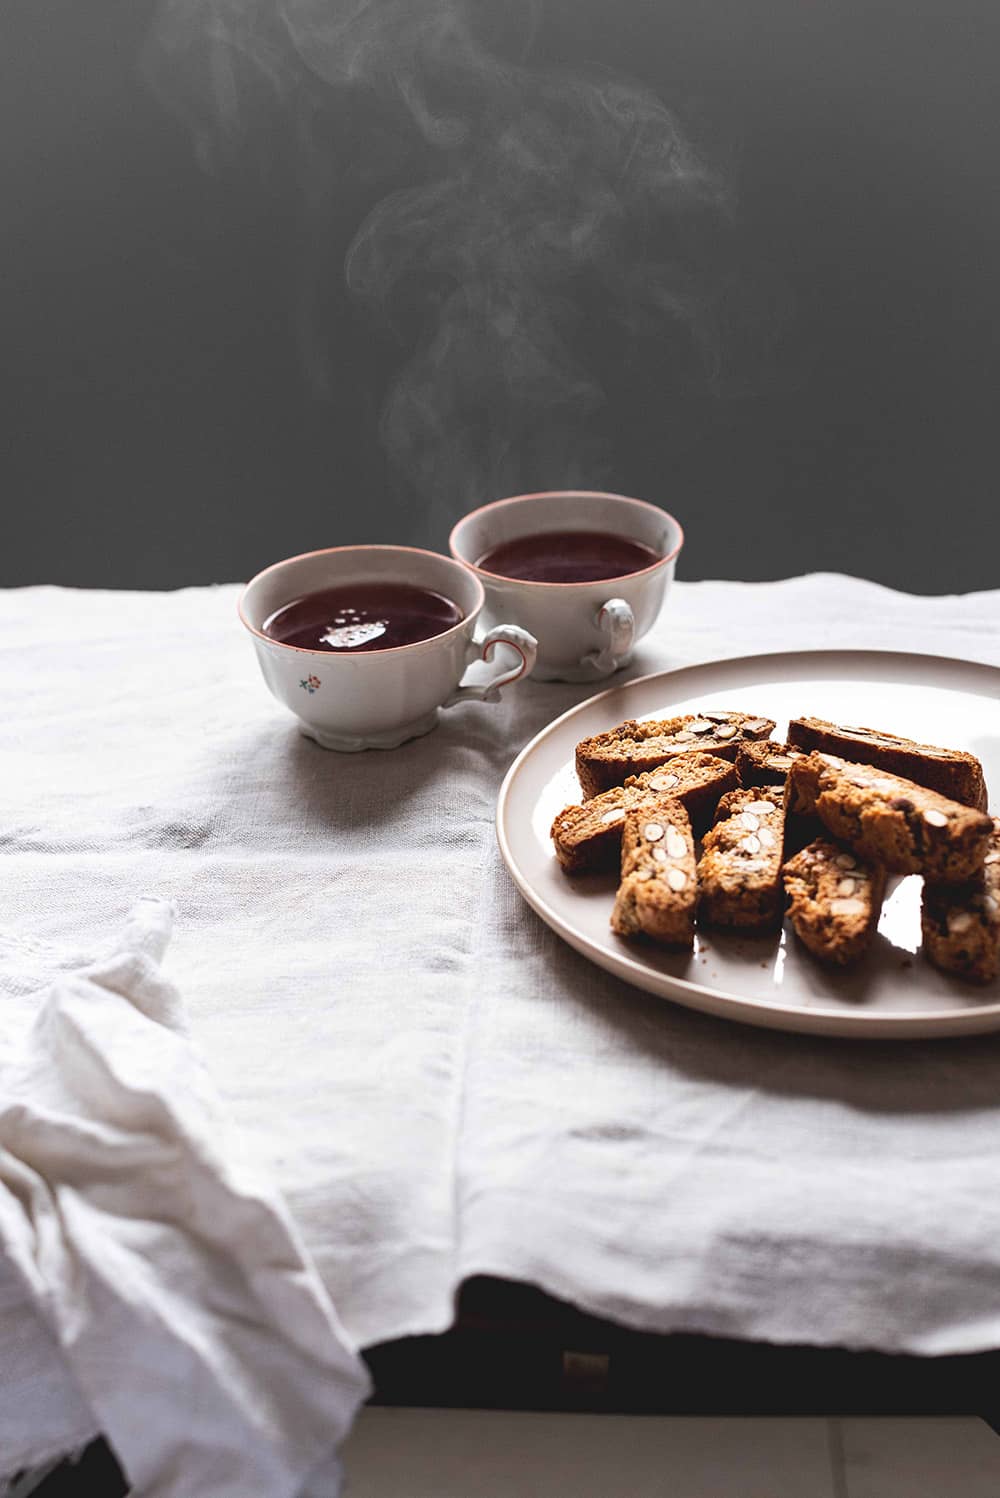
(961, 922)
(740, 869)
(588, 837)
(658, 894)
(765, 762)
(950, 772)
(888, 820)
(634, 747)
(834, 901)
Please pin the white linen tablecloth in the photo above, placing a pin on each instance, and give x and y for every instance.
(439, 1086)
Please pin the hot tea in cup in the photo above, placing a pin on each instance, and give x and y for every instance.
(568, 557)
(366, 643)
(586, 573)
(363, 616)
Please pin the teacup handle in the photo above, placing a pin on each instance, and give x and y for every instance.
(616, 621)
(504, 634)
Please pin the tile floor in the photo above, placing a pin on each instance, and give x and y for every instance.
(412, 1453)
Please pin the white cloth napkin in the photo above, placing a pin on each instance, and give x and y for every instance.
(190, 1320)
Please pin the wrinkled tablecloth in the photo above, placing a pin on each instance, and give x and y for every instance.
(437, 1083)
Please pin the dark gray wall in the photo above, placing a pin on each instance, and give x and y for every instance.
(190, 390)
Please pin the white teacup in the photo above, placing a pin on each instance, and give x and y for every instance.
(376, 699)
(585, 630)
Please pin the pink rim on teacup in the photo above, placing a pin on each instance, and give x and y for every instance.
(324, 551)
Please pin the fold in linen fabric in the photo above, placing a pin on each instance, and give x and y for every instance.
(189, 1318)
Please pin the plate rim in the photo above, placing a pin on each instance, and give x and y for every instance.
(936, 1024)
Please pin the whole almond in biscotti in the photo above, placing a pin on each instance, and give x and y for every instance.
(960, 923)
(834, 901)
(635, 747)
(740, 868)
(658, 893)
(588, 838)
(951, 772)
(888, 820)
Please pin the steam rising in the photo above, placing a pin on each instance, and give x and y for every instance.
(549, 218)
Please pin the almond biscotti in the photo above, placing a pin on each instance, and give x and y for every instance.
(768, 763)
(961, 922)
(903, 826)
(740, 869)
(634, 747)
(834, 901)
(950, 772)
(588, 838)
(765, 762)
(658, 894)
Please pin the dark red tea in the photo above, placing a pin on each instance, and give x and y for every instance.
(567, 557)
(363, 616)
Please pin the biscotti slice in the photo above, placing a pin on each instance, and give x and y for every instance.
(961, 922)
(950, 772)
(834, 901)
(765, 762)
(903, 826)
(768, 763)
(740, 869)
(633, 747)
(697, 781)
(588, 837)
(658, 894)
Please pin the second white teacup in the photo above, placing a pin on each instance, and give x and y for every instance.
(585, 629)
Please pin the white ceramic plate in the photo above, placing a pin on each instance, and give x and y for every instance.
(768, 981)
